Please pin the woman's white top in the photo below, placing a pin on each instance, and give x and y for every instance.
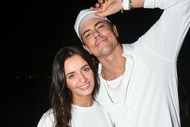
(93, 116)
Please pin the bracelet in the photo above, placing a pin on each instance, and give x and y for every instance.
(126, 4)
(122, 11)
(130, 6)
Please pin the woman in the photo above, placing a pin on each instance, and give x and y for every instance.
(73, 90)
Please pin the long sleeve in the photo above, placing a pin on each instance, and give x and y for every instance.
(166, 36)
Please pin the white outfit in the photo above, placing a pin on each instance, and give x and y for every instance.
(149, 85)
(93, 116)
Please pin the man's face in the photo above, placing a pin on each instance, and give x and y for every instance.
(99, 37)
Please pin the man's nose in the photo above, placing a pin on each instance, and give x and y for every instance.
(96, 33)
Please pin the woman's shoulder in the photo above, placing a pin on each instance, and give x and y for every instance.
(47, 119)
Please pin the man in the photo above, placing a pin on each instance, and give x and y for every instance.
(138, 80)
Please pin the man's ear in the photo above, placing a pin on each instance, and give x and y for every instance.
(115, 30)
(87, 49)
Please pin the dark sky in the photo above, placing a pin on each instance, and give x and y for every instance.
(32, 31)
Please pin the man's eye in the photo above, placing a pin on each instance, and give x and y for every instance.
(87, 35)
(101, 25)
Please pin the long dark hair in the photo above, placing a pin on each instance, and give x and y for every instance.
(60, 95)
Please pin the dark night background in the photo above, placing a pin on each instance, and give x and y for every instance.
(31, 33)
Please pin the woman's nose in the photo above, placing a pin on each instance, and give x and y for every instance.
(83, 78)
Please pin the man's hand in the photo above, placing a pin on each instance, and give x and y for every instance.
(107, 7)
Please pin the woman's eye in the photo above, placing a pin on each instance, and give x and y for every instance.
(86, 69)
(71, 76)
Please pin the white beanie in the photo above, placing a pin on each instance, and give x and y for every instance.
(83, 17)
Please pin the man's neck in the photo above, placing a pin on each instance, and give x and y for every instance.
(113, 65)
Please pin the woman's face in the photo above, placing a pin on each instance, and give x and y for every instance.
(79, 76)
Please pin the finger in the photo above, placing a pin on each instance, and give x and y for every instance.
(97, 5)
(101, 1)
